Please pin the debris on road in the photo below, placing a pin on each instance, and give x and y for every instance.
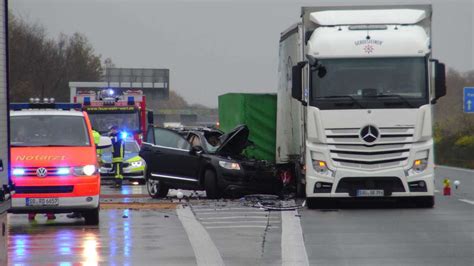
(269, 202)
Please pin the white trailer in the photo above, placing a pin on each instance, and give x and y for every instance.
(356, 87)
(5, 185)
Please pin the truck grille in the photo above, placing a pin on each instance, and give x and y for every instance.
(351, 184)
(392, 149)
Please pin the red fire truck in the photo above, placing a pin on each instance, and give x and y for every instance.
(106, 108)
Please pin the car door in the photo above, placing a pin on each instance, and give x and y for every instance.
(171, 158)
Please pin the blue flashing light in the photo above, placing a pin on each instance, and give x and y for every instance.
(63, 171)
(131, 100)
(18, 171)
(61, 106)
(110, 92)
(87, 100)
(123, 135)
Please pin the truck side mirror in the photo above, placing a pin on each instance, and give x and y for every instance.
(297, 82)
(150, 117)
(440, 80)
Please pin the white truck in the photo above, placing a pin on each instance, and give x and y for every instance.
(5, 184)
(356, 88)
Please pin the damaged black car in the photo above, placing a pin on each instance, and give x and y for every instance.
(204, 159)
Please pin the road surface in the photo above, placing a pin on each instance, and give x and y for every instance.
(205, 232)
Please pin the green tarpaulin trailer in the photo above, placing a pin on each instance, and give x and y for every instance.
(258, 112)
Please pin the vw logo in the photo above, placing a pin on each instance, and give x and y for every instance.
(41, 172)
(369, 134)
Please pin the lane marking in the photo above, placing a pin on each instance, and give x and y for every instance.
(467, 201)
(240, 226)
(293, 250)
(239, 222)
(236, 217)
(197, 210)
(205, 251)
(436, 191)
(456, 168)
(214, 213)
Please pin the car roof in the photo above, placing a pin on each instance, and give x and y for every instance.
(32, 112)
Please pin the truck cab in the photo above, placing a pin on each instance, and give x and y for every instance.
(53, 161)
(358, 84)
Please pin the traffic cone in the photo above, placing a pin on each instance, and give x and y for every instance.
(446, 187)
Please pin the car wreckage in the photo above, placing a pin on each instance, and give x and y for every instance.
(205, 159)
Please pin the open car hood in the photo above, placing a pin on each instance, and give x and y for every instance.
(234, 142)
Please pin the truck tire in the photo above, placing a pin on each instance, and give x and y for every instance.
(210, 184)
(300, 187)
(156, 189)
(320, 203)
(91, 217)
(425, 202)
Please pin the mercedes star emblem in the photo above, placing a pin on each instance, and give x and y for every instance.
(41, 172)
(369, 134)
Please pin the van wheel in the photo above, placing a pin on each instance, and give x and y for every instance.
(92, 217)
(425, 202)
(156, 189)
(210, 184)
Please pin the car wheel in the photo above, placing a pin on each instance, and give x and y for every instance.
(425, 202)
(156, 188)
(210, 184)
(91, 217)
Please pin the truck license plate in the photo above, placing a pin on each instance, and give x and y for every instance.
(370, 193)
(42, 202)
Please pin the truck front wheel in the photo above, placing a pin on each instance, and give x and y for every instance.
(320, 203)
(425, 202)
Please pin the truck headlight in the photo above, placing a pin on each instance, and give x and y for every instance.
(229, 165)
(321, 168)
(419, 166)
(87, 170)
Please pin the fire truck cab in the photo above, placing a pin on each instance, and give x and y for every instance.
(105, 109)
(54, 160)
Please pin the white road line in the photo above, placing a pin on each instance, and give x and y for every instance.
(197, 210)
(235, 217)
(214, 213)
(205, 251)
(239, 226)
(293, 250)
(436, 191)
(467, 201)
(240, 222)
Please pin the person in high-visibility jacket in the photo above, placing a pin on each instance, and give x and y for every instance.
(118, 152)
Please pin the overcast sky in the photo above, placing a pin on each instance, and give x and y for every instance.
(217, 46)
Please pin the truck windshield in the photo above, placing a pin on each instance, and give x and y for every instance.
(373, 83)
(101, 122)
(48, 130)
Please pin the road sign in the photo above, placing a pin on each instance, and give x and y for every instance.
(469, 100)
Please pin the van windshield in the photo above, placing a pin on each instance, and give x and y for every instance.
(48, 130)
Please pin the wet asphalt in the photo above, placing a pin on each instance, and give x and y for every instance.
(150, 232)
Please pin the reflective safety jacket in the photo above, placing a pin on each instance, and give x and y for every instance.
(118, 149)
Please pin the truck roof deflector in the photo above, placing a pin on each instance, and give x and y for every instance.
(367, 17)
